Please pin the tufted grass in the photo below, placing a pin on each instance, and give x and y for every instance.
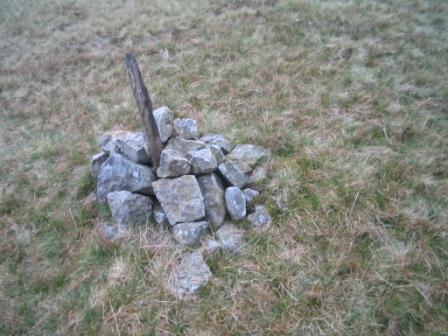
(349, 96)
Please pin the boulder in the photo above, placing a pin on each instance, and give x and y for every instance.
(128, 208)
(217, 140)
(203, 161)
(164, 121)
(186, 128)
(233, 174)
(172, 164)
(261, 218)
(183, 145)
(129, 144)
(159, 215)
(181, 198)
(213, 192)
(250, 195)
(189, 233)
(218, 153)
(188, 275)
(247, 156)
(235, 203)
(95, 164)
(118, 173)
(230, 238)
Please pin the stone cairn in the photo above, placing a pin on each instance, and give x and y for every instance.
(201, 184)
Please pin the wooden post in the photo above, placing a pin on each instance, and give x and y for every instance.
(152, 137)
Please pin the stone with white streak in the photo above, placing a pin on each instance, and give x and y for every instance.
(95, 164)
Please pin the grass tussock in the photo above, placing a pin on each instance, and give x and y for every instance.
(349, 96)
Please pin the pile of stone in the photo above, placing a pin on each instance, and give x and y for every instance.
(201, 185)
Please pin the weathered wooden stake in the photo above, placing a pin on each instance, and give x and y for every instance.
(152, 137)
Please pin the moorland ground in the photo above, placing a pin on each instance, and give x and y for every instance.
(349, 96)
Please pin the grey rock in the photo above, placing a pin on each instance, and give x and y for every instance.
(95, 164)
(111, 233)
(217, 140)
(202, 161)
(259, 173)
(248, 156)
(233, 174)
(250, 195)
(129, 144)
(218, 153)
(128, 208)
(188, 275)
(235, 203)
(164, 120)
(118, 173)
(230, 238)
(186, 128)
(184, 145)
(159, 215)
(213, 192)
(172, 164)
(189, 233)
(210, 246)
(261, 218)
(181, 198)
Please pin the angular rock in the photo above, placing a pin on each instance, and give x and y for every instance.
(186, 128)
(164, 120)
(202, 161)
(217, 140)
(230, 238)
(181, 198)
(189, 275)
(213, 192)
(250, 195)
(183, 145)
(233, 174)
(261, 218)
(118, 173)
(129, 144)
(210, 246)
(159, 215)
(172, 164)
(248, 156)
(259, 173)
(111, 234)
(235, 203)
(218, 153)
(128, 208)
(95, 164)
(189, 233)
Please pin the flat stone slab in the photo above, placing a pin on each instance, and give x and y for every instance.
(235, 203)
(188, 275)
(118, 173)
(184, 145)
(128, 208)
(233, 174)
(217, 140)
(212, 189)
(129, 144)
(181, 199)
(248, 156)
(189, 233)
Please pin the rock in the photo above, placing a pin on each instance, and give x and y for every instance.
(233, 174)
(128, 208)
(189, 233)
(217, 140)
(172, 164)
(250, 195)
(129, 144)
(189, 275)
(164, 120)
(217, 152)
(230, 238)
(213, 192)
(202, 161)
(261, 218)
(183, 145)
(159, 215)
(95, 164)
(118, 173)
(210, 246)
(259, 173)
(186, 128)
(181, 198)
(235, 203)
(110, 234)
(248, 156)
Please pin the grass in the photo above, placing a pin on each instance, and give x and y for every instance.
(349, 96)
